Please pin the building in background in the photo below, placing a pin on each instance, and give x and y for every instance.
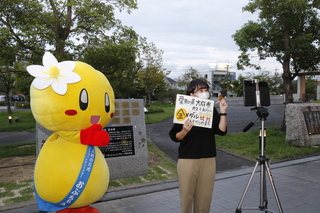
(219, 73)
(172, 84)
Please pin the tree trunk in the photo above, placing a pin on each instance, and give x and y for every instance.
(8, 103)
(148, 100)
(60, 49)
(288, 86)
(286, 76)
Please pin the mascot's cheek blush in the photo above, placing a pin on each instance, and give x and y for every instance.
(71, 112)
(94, 119)
(112, 114)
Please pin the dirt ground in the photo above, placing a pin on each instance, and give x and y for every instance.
(21, 168)
(17, 168)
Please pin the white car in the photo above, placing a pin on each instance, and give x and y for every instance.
(2, 98)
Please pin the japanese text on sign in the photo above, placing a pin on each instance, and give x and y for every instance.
(198, 110)
(121, 142)
(312, 120)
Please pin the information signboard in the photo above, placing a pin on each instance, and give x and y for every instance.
(312, 119)
(121, 142)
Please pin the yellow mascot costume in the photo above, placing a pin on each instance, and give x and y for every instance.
(75, 101)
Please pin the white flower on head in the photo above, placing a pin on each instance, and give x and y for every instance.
(53, 73)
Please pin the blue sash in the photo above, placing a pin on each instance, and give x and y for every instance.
(77, 188)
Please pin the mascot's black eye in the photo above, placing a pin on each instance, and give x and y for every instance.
(83, 101)
(107, 103)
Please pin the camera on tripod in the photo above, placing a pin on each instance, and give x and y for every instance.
(256, 93)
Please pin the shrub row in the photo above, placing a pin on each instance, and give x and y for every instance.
(155, 110)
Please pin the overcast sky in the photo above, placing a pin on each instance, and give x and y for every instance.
(192, 33)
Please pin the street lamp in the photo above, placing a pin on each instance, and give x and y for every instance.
(227, 79)
(227, 66)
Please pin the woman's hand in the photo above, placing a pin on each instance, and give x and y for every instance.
(223, 106)
(223, 119)
(187, 125)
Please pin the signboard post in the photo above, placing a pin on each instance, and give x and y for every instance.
(302, 124)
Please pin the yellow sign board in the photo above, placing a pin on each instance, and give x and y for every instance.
(198, 110)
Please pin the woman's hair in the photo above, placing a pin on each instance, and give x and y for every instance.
(195, 85)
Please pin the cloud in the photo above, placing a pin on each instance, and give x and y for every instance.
(191, 33)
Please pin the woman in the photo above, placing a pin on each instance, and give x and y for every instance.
(197, 151)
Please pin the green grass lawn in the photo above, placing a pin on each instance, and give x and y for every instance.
(248, 144)
(168, 110)
(26, 122)
(17, 149)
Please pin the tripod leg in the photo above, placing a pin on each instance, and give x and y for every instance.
(274, 188)
(265, 200)
(263, 187)
(238, 210)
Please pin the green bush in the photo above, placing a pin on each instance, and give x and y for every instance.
(4, 103)
(155, 109)
(22, 105)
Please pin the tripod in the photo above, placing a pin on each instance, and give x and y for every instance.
(264, 167)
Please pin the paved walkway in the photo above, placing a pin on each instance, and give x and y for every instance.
(297, 183)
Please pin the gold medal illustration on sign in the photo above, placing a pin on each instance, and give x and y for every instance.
(181, 114)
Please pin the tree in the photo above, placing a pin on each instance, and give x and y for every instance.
(188, 76)
(287, 30)
(225, 85)
(117, 56)
(7, 69)
(33, 25)
(274, 83)
(152, 76)
(237, 86)
(7, 80)
(168, 95)
(23, 79)
(310, 88)
(29, 27)
(14, 77)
